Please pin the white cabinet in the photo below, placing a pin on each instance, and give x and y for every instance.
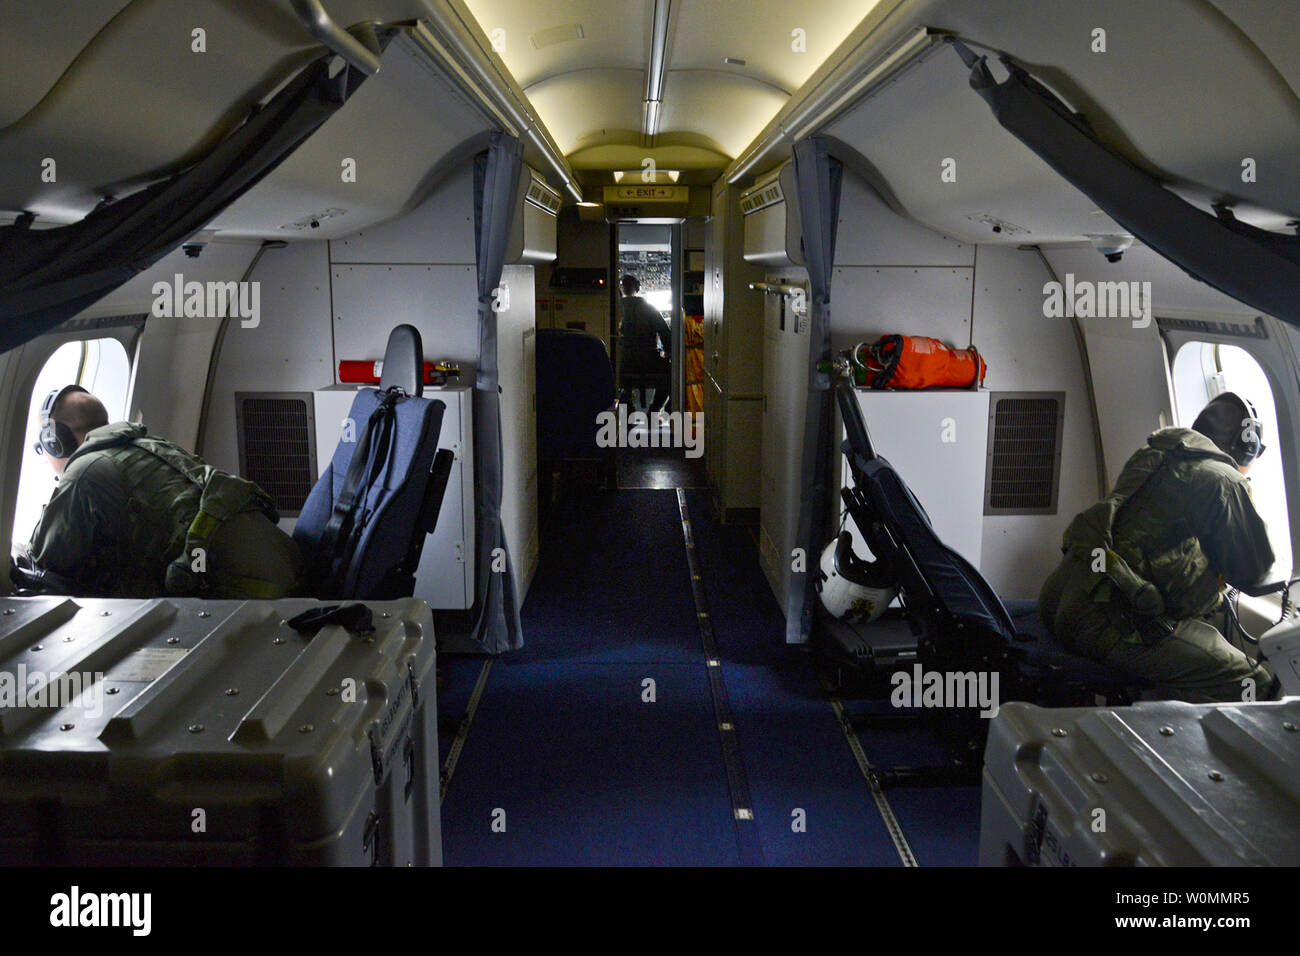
(445, 576)
(785, 386)
(937, 441)
(733, 360)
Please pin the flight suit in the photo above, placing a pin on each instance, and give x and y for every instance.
(122, 523)
(640, 366)
(1145, 567)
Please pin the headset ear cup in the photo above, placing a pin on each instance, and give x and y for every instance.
(56, 438)
(65, 439)
(1245, 451)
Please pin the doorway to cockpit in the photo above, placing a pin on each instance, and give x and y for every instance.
(647, 290)
(652, 338)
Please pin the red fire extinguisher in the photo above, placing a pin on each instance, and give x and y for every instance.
(354, 371)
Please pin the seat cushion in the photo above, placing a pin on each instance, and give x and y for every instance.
(1043, 654)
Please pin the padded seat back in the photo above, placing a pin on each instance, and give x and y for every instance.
(952, 582)
(389, 507)
(940, 584)
(575, 383)
(370, 558)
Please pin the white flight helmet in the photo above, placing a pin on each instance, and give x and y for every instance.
(852, 589)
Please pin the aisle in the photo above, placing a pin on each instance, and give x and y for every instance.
(606, 739)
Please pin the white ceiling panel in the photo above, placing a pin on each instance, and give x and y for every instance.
(762, 32)
(730, 110)
(1271, 26)
(615, 35)
(590, 107)
(590, 91)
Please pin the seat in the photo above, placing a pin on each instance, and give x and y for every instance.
(959, 621)
(363, 526)
(575, 383)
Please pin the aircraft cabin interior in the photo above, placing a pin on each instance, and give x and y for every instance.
(650, 433)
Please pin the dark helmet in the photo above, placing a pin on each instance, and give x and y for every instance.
(1232, 423)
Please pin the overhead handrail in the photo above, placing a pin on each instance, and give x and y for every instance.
(771, 288)
(324, 28)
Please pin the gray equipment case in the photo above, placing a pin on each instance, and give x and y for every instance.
(1157, 783)
(217, 735)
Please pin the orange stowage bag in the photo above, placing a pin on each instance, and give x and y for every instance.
(915, 361)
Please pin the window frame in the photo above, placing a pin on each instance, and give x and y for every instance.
(23, 366)
(1266, 340)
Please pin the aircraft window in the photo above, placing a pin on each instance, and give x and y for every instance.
(98, 365)
(1203, 370)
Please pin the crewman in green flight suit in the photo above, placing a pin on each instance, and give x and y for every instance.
(1146, 565)
(137, 516)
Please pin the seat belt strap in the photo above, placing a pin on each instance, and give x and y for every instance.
(338, 529)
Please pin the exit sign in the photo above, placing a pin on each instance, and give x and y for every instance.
(647, 193)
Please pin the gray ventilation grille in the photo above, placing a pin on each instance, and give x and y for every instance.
(760, 197)
(277, 445)
(1024, 457)
(543, 196)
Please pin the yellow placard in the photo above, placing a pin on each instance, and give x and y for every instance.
(647, 193)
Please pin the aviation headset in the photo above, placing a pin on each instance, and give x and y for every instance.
(56, 439)
(1246, 443)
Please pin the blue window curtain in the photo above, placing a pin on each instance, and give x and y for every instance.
(817, 182)
(496, 606)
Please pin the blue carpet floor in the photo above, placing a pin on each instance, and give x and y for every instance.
(587, 773)
(568, 763)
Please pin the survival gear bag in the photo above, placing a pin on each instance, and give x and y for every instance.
(916, 361)
(221, 497)
(1093, 530)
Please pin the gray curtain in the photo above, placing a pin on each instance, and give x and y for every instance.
(49, 275)
(496, 624)
(1254, 266)
(817, 183)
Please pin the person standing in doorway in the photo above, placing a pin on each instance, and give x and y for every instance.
(643, 344)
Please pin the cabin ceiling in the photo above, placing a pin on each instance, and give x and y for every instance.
(1187, 89)
(583, 65)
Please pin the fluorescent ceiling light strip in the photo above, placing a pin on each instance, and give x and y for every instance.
(651, 112)
(654, 74)
(654, 79)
